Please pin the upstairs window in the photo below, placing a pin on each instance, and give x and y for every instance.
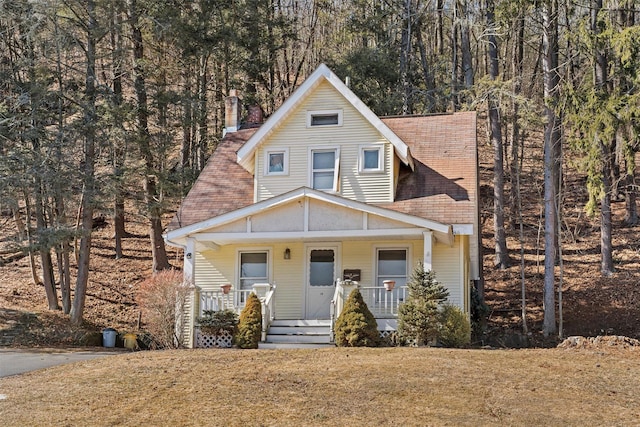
(324, 118)
(371, 159)
(325, 164)
(276, 162)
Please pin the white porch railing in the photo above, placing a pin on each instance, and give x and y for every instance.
(217, 300)
(382, 303)
(236, 299)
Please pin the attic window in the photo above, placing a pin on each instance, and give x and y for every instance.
(324, 118)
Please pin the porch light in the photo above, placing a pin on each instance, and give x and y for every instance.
(188, 255)
(287, 253)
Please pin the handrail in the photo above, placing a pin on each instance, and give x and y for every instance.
(267, 311)
(334, 310)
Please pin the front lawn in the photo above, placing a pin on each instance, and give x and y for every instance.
(333, 387)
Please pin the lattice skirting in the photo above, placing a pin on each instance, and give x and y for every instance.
(223, 340)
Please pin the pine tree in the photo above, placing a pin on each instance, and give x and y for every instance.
(418, 316)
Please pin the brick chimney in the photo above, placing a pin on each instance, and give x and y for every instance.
(255, 115)
(232, 110)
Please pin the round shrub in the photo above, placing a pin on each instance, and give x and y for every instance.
(250, 323)
(455, 329)
(356, 326)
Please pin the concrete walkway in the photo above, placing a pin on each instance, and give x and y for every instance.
(18, 361)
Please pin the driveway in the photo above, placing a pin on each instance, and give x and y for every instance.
(18, 361)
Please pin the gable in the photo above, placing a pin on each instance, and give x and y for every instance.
(294, 140)
(322, 74)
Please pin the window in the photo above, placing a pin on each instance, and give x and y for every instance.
(324, 118)
(324, 169)
(392, 265)
(322, 266)
(371, 158)
(276, 162)
(253, 269)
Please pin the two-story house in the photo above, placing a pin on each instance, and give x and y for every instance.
(322, 191)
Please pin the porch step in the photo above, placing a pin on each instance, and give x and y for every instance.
(299, 332)
(284, 345)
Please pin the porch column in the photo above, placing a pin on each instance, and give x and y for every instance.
(189, 270)
(428, 248)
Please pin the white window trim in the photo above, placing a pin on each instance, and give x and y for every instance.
(361, 151)
(391, 247)
(285, 166)
(310, 115)
(336, 166)
(240, 251)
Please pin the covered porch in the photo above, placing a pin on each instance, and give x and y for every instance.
(295, 251)
(383, 302)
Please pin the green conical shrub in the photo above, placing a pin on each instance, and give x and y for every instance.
(250, 323)
(356, 326)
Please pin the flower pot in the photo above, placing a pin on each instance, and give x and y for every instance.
(226, 288)
(389, 284)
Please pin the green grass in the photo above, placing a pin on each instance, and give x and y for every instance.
(332, 387)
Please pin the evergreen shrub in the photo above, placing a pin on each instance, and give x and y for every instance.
(217, 322)
(455, 329)
(356, 326)
(418, 317)
(479, 313)
(250, 323)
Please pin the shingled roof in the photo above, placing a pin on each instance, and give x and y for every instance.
(444, 185)
(222, 186)
(442, 188)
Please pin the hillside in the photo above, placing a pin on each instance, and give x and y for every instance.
(592, 305)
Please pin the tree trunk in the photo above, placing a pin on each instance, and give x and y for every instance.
(551, 139)
(88, 169)
(465, 46)
(48, 279)
(517, 68)
(405, 58)
(154, 208)
(605, 147)
(119, 148)
(495, 130)
(631, 207)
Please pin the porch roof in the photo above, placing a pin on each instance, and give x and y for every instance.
(404, 225)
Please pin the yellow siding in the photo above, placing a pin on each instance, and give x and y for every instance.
(448, 265)
(288, 274)
(213, 268)
(355, 131)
